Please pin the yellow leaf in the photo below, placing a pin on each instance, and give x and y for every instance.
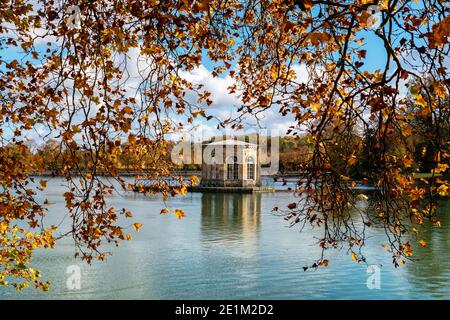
(354, 257)
(43, 183)
(194, 180)
(352, 161)
(203, 4)
(362, 196)
(408, 162)
(136, 226)
(441, 167)
(420, 101)
(440, 90)
(179, 213)
(315, 106)
(274, 72)
(407, 249)
(443, 190)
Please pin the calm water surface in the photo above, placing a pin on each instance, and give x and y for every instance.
(230, 246)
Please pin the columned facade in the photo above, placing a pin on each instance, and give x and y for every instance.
(230, 163)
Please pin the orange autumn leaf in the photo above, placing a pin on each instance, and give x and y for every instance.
(352, 161)
(436, 223)
(441, 32)
(137, 226)
(202, 4)
(179, 213)
(305, 4)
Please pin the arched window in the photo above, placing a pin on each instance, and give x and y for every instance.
(250, 168)
(232, 169)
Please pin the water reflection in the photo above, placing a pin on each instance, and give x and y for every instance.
(231, 219)
(432, 270)
(230, 246)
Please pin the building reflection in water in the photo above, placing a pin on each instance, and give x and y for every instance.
(231, 220)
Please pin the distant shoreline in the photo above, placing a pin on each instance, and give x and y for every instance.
(289, 174)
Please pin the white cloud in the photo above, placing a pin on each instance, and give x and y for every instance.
(225, 104)
(217, 86)
(301, 72)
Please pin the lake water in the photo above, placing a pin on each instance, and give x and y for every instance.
(230, 246)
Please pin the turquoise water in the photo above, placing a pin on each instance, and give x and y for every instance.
(230, 246)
